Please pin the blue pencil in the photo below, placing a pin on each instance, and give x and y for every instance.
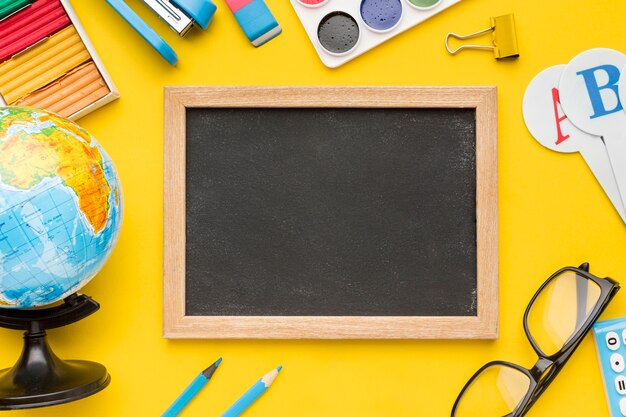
(190, 392)
(252, 394)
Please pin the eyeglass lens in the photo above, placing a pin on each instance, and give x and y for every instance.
(561, 309)
(495, 392)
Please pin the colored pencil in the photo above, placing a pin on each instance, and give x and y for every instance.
(191, 391)
(252, 394)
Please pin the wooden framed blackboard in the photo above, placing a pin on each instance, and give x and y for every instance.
(330, 212)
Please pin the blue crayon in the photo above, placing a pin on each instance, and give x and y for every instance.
(252, 394)
(256, 20)
(190, 392)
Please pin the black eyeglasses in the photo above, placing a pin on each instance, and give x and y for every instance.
(557, 319)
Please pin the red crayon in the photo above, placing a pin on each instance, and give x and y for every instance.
(30, 25)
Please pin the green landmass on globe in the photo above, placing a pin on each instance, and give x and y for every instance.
(60, 207)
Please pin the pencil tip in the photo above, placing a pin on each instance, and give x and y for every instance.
(208, 372)
(279, 368)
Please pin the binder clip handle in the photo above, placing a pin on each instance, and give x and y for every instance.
(504, 42)
(464, 37)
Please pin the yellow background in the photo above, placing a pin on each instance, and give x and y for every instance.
(552, 214)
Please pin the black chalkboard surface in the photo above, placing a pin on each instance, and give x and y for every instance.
(339, 212)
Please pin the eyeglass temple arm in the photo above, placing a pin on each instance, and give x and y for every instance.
(581, 297)
(582, 289)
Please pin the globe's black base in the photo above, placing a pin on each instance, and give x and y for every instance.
(40, 378)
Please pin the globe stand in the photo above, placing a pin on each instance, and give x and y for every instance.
(40, 378)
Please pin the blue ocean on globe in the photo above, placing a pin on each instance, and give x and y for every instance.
(49, 245)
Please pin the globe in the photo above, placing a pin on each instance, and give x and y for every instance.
(60, 207)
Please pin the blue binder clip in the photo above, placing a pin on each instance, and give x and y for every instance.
(180, 15)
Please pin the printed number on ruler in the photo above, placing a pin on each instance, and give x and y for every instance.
(549, 125)
(610, 337)
(590, 99)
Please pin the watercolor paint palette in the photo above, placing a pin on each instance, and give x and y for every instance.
(341, 30)
(47, 61)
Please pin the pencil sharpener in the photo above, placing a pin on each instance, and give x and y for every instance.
(182, 15)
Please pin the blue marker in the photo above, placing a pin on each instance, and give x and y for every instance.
(252, 394)
(190, 392)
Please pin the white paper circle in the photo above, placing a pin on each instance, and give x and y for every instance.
(589, 93)
(544, 117)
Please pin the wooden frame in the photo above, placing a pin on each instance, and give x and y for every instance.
(176, 324)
